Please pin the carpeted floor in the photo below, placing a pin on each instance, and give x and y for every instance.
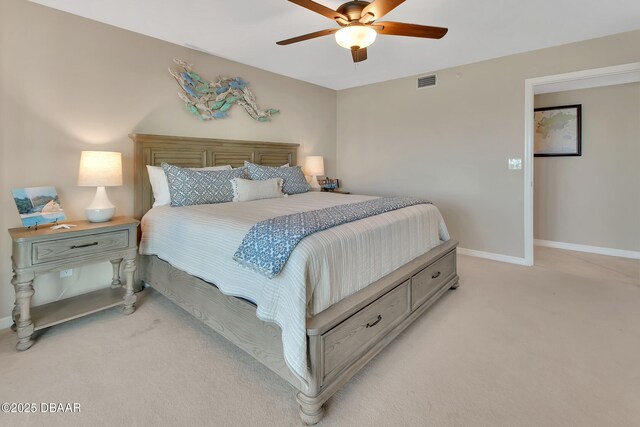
(514, 346)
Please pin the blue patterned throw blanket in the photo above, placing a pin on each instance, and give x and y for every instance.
(268, 245)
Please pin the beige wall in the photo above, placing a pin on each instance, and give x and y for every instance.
(450, 143)
(69, 84)
(593, 199)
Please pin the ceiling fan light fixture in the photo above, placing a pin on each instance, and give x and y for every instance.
(360, 24)
(356, 35)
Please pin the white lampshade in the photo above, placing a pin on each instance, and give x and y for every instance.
(356, 35)
(100, 169)
(314, 165)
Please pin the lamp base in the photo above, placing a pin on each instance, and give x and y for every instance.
(99, 215)
(101, 209)
(315, 186)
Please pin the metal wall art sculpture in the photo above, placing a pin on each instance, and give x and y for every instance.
(210, 100)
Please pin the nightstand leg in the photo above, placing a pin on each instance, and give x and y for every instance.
(16, 308)
(23, 284)
(129, 296)
(115, 282)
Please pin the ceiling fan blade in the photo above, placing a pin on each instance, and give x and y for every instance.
(358, 55)
(410, 30)
(322, 10)
(307, 37)
(377, 9)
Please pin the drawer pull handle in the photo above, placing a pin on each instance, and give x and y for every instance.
(435, 276)
(371, 325)
(84, 246)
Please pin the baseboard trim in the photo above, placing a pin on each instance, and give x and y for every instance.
(492, 256)
(586, 248)
(6, 322)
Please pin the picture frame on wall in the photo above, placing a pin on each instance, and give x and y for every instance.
(558, 131)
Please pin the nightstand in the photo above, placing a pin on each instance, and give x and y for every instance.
(339, 192)
(45, 250)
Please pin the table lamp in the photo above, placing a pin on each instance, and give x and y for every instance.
(100, 169)
(314, 167)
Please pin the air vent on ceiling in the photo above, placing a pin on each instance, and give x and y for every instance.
(426, 81)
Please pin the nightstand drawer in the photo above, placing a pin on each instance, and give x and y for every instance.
(73, 247)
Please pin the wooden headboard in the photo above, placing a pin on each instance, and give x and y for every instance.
(197, 153)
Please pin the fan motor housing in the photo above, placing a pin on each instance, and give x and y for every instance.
(352, 9)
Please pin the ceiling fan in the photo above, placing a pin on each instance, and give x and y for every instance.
(358, 20)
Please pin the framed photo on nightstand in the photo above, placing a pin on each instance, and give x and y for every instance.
(38, 205)
(329, 184)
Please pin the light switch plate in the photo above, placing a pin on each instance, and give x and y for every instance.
(515, 164)
(66, 273)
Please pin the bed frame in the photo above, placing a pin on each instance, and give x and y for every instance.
(342, 338)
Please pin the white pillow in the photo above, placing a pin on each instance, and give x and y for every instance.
(245, 190)
(160, 185)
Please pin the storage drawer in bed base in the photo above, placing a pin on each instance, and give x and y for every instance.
(345, 343)
(428, 281)
(311, 404)
(339, 341)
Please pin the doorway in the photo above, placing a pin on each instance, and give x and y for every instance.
(619, 74)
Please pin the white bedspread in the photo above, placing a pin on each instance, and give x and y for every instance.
(323, 269)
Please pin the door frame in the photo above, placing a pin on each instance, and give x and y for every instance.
(530, 86)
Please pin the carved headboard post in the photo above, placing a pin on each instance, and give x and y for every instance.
(198, 152)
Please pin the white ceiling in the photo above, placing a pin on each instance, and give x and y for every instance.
(246, 31)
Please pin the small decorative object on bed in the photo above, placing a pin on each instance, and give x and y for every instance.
(100, 169)
(210, 100)
(38, 205)
(558, 131)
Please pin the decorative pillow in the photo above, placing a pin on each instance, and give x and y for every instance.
(246, 189)
(160, 186)
(286, 165)
(200, 187)
(294, 180)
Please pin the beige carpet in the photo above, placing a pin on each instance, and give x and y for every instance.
(514, 346)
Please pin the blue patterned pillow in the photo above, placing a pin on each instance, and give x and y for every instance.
(200, 187)
(294, 180)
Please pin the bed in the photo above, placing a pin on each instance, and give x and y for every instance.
(344, 322)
